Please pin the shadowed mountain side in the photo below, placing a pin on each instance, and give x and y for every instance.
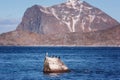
(98, 38)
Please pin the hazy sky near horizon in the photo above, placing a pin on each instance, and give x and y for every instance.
(11, 11)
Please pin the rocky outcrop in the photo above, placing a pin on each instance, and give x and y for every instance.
(72, 16)
(54, 65)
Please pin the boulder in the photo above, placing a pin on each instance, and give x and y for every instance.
(54, 65)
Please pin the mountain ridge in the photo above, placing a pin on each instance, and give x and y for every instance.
(109, 37)
(64, 17)
(73, 23)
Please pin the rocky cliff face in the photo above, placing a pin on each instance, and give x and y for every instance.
(72, 16)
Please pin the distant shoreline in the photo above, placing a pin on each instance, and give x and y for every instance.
(59, 46)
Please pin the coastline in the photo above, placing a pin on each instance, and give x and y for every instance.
(60, 46)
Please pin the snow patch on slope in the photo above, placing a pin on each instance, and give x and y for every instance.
(44, 10)
(54, 13)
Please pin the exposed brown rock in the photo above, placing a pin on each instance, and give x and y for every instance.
(98, 38)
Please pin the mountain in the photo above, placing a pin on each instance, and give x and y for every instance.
(72, 16)
(74, 23)
(109, 37)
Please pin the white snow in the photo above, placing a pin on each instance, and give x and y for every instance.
(71, 19)
(88, 7)
(68, 25)
(73, 25)
(89, 28)
(66, 12)
(71, 22)
(73, 3)
(92, 17)
(105, 20)
(83, 25)
(75, 20)
(54, 13)
(45, 11)
(81, 8)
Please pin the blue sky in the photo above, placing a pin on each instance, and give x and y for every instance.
(11, 11)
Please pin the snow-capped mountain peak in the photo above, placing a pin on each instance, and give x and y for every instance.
(72, 16)
(73, 3)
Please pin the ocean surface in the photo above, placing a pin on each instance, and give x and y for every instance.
(85, 63)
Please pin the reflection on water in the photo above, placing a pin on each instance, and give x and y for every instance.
(52, 74)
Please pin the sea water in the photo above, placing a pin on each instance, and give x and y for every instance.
(85, 63)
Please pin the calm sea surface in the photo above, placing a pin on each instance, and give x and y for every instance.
(86, 63)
